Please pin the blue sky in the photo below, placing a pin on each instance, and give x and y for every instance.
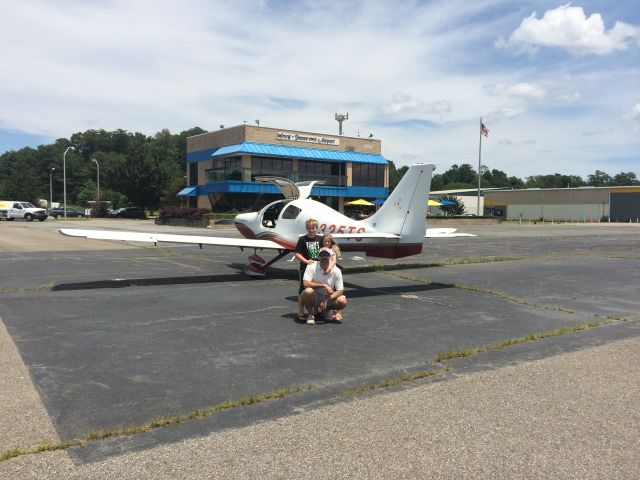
(556, 83)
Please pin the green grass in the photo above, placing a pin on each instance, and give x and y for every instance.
(532, 337)
(159, 422)
(388, 382)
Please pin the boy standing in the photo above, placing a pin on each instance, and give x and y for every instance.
(306, 251)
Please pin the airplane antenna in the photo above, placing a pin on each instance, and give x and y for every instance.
(341, 118)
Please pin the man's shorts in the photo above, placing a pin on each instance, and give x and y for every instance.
(318, 299)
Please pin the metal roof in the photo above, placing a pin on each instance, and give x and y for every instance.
(188, 192)
(298, 152)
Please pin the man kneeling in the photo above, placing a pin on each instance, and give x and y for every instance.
(323, 288)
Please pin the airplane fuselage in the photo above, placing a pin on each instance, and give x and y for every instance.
(283, 222)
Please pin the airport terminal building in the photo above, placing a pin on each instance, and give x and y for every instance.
(222, 167)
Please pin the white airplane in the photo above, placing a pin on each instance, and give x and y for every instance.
(396, 230)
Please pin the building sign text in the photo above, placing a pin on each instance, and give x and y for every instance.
(299, 137)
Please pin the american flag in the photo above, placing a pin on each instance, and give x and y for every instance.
(484, 130)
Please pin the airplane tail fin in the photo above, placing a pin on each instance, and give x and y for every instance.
(404, 213)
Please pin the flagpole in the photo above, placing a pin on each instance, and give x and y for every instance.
(479, 166)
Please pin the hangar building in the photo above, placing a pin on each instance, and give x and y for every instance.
(222, 167)
(617, 204)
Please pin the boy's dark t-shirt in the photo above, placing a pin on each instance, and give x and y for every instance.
(309, 247)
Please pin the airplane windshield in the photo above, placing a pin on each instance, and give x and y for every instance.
(271, 214)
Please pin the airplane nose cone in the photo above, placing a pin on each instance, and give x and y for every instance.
(246, 218)
(246, 223)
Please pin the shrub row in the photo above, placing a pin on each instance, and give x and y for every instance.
(184, 212)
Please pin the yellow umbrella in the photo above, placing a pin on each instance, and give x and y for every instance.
(361, 202)
(433, 203)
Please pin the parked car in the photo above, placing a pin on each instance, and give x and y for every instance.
(127, 212)
(71, 212)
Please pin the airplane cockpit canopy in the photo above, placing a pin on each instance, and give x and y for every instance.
(289, 189)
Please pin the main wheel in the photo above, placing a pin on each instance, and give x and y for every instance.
(28, 217)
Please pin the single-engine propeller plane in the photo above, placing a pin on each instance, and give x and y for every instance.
(396, 230)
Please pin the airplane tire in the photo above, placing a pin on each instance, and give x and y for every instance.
(253, 270)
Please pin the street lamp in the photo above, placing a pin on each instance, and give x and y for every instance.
(51, 189)
(98, 166)
(64, 178)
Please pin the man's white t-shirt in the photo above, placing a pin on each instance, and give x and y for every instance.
(315, 273)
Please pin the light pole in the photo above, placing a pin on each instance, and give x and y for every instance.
(98, 167)
(64, 178)
(51, 189)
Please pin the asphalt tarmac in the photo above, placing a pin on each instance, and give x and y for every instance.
(114, 335)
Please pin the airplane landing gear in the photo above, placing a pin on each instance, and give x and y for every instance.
(257, 266)
(254, 270)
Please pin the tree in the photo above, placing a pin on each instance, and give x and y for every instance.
(456, 209)
(495, 178)
(144, 172)
(625, 178)
(599, 179)
(516, 183)
(462, 176)
(395, 175)
(554, 181)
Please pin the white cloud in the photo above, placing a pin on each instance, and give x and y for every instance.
(511, 143)
(569, 28)
(522, 90)
(635, 112)
(569, 98)
(406, 105)
(597, 131)
(505, 113)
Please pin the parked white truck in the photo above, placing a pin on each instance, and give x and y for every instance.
(10, 210)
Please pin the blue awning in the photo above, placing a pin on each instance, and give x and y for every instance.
(188, 192)
(271, 150)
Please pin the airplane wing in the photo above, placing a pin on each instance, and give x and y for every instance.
(156, 238)
(445, 233)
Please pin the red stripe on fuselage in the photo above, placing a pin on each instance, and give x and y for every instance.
(386, 251)
(248, 233)
(245, 231)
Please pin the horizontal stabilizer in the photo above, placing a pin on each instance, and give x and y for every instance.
(445, 233)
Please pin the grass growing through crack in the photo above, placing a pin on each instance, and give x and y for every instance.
(155, 423)
(495, 293)
(388, 382)
(515, 341)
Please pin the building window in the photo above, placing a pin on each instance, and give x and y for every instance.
(193, 174)
(332, 173)
(271, 166)
(366, 175)
(233, 168)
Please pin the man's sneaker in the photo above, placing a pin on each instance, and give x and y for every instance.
(311, 320)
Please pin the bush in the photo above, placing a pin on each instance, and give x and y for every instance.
(183, 212)
(99, 209)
